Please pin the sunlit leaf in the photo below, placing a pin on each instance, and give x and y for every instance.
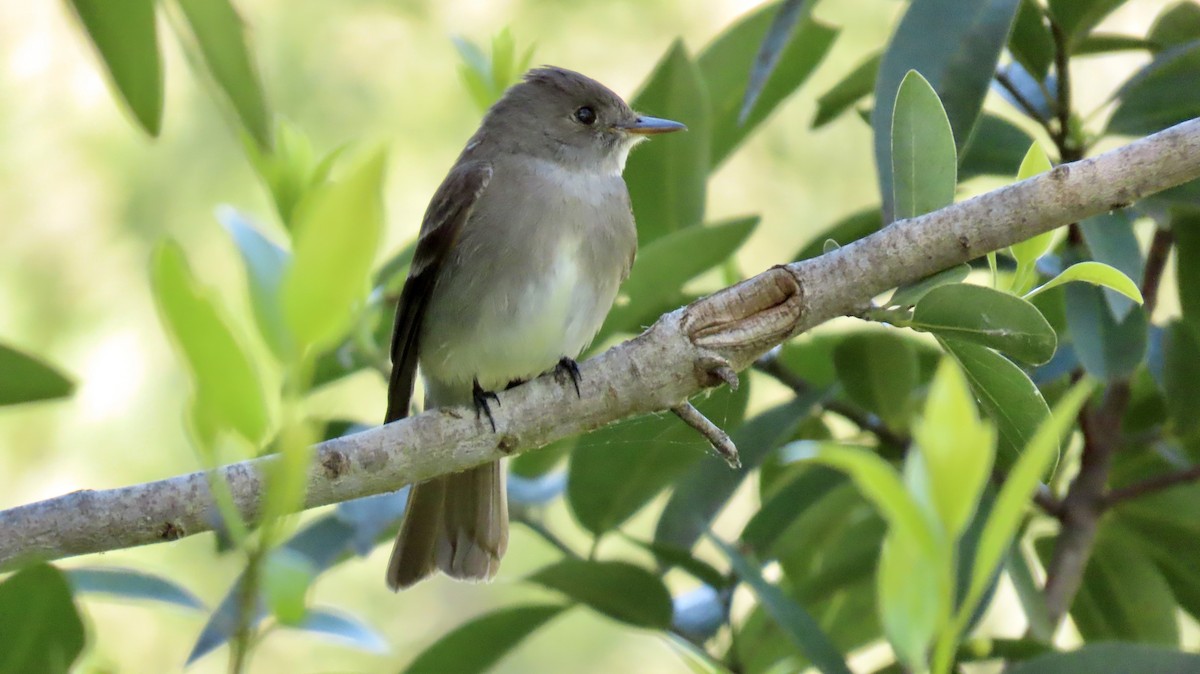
(959, 64)
(287, 576)
(1096, 273)
(228, 388)
(924, 161)
(336, 241)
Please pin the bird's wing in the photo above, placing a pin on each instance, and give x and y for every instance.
(448, 211)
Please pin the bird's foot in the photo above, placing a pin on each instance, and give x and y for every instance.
(570, 369)
(483, 400)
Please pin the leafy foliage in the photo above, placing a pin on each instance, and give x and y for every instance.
(891, 489)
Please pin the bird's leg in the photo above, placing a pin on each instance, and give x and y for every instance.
(482, 404)
(513, 384)
(568, 368)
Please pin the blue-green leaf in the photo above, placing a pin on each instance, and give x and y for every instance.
(343, 629)
(1112, 658)
(131, 584)
(1161, 94)
(265, 264)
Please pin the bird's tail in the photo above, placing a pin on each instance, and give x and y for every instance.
(457, 523)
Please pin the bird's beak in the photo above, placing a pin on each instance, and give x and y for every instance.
(648, 126)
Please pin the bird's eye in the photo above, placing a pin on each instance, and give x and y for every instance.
(585, 115)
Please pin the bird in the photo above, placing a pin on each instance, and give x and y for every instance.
(518, 261)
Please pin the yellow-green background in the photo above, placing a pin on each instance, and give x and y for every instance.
(84, 196)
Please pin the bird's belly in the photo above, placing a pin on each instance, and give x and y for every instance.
(524, 330)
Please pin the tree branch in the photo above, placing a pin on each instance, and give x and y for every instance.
(687, 350)
(1152, 485)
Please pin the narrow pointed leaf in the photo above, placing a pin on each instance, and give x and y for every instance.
(126, 37)
(27, 378)
(336, 241)
(1096, 273)
(799, 626)
(1161, 94)
(265, 264)
(132, 584)
(479, 644)
(790, 13)
(343, 629)
(224, 43)
(849, 90)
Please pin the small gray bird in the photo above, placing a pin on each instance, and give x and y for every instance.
(518, 262)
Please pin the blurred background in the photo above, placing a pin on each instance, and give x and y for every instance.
(84, 195)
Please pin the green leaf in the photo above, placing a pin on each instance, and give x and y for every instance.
(1185, 227)
(1181, 378)
(336, 240)
(1096, 273)
(479, 644)
(653, 452)
(619, 590)
(878, 370)
(1030, 43)
(783, 25)
(663, 267)
(265, 264)
(924, 161)
(131, 584)
(980, 315)
(287, 576)
(1027, 252)
(908, 295)
(39, 624)
(707, 487)
(797, 623)
(958, 64)
(850, 228)
(1076, 18)
(913, 593)
(668, 177)
(880, 484)
(1112, 658)
(126, 37)
(1124, 596)
(1110, 239)
(994, 148)
(784, 506)
(1161, 94)
(1178, 24)
(848, 91)
(1107, 349)
(957, 448)
(1006, 393)
(672, 556)
(228, 389)
(225, 44)
(727, 62)
(1008, 511)
(28, 378)
(1101, 43)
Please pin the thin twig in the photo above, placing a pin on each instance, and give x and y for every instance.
(1152, 485)
(1062, 105)
(716, 437)
(1156, 262)
(550, 537)
(1030, 109)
